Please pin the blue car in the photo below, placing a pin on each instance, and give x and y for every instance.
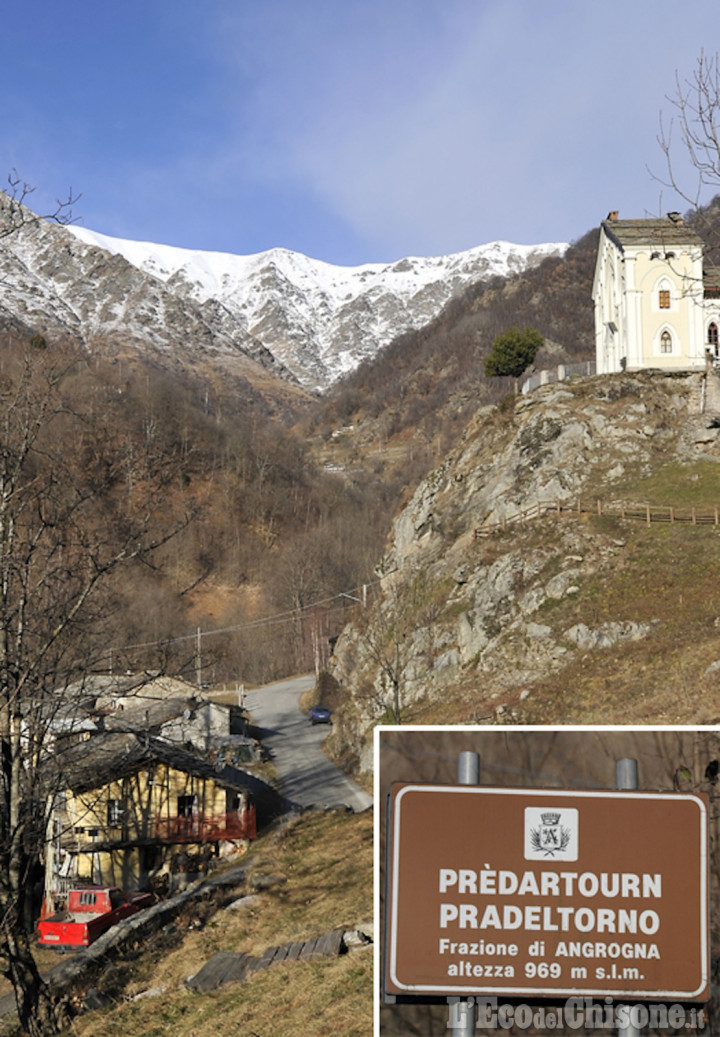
(320, 715)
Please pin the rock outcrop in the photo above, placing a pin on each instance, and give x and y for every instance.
(481, 621)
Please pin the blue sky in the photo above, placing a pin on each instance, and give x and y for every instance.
(351, 130)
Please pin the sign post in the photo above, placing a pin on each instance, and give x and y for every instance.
(535, 893)
(461, 1022)
(626, 777)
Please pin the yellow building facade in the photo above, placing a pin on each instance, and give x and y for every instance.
(142, 806)
(655, 305)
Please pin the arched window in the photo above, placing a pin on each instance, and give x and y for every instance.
(666, 342)
(712, 334)
(664, 297)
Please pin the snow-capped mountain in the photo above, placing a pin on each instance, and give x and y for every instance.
(319, 320)
(287, 311)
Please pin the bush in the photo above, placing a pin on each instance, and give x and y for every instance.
(513, 352)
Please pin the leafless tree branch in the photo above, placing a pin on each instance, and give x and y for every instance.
(694, 127)
(14, 211)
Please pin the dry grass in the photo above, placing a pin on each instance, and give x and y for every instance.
(674, 485)
(326, 862)
(664, 575)
(294, 1000)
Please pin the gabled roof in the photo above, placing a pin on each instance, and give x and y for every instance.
(148, 715)
(104, 758)
(662, 234)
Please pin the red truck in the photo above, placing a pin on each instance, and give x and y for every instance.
(90, 911)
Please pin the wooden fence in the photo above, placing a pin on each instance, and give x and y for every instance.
(646, 513)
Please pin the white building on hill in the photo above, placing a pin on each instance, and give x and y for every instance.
(655, 305)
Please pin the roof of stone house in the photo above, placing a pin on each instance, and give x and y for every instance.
(106, 757)
(140, 688)
(95, 684)
(662, 233)
(148, 715)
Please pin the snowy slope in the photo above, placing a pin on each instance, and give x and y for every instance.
(318, 320)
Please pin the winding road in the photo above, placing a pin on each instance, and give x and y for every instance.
(307, 776)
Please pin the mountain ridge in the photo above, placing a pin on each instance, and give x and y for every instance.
(319, 320)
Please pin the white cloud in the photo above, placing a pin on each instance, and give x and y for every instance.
(428, 127)
(384, 126)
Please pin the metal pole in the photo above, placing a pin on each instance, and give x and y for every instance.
(626, 777)
(626, 773)
(198, 659)
(468, 768)
(461, 1015)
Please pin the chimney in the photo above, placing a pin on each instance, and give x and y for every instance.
(613, 215)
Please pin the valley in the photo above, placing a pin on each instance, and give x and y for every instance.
(262, 505)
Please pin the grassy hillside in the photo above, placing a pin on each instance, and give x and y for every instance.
(325, 862)
(667, 577)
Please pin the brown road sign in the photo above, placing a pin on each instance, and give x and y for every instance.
(546, 893)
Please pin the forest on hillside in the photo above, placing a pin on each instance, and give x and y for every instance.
(427, 383)
(237, 520)
(282, 513)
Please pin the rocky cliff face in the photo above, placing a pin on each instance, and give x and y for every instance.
(57, 285)
(467, 629)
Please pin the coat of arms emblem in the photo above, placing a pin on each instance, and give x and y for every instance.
(551, 833)
(550, 837)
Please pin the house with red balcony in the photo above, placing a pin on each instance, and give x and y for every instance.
(136, 810)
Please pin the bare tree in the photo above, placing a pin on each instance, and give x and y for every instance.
(391, 639)
(15, 214)
(61, 545)
(695, 126)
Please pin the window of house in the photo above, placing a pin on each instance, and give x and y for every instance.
(666, 342)
(664, 298)
(712, 334)
(114, 813)
(187, 806)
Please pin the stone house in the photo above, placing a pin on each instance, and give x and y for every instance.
(135, 807)
(165, 707)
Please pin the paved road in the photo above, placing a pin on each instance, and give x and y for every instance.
(306, 774)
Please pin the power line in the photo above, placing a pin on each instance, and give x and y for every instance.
(276, 619)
